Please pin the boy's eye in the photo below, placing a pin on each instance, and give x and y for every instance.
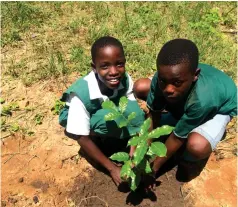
(178, 83)
(120, 64)
(161, 81)
(104, 66)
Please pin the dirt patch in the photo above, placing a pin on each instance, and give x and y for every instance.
(216, 185)
(44, 169)
(99, 190)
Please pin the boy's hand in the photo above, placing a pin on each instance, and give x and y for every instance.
(149, 183)
(115, 174)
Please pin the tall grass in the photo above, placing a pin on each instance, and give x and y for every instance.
(70, 28)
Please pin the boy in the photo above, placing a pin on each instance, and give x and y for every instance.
(83, 116)
(199, 99)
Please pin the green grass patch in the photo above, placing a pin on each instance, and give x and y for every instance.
(59, 35)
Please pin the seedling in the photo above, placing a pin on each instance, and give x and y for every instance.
(59, 105)
(2, 100)
(14, 127)
(38, 119)
(139, 164)
(7, 109)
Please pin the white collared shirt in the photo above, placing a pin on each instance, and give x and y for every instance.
(78, 121)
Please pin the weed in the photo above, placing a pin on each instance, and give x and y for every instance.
(18, 17)
(76, 53)
(38, 119)
(208, 22)
(2, 100)
(15, 69)
(14, 127)
(100, 11)
(57, 65)
(8, 109)
(58, 106)
(74, 26)
(94, 32)
(3, 124)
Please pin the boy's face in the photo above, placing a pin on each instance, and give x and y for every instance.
(175, 81)
(110, 66)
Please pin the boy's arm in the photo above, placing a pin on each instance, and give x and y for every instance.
(173, 143)
(78, 128)
(96, 154)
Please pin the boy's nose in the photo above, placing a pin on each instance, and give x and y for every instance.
(169, 90)
(113, 70)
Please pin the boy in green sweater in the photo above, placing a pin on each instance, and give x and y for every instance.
(198, 99)
(83, 116)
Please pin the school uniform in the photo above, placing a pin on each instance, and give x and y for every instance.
(83, 112)
(208, 108)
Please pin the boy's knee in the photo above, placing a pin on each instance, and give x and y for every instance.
(198, 146)
(141, 88)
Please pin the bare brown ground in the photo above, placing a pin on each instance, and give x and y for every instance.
(46, 170)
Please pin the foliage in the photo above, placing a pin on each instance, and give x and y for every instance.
(139, 164)
(7, 110)
(38, 119)
(70, 28)
(58, 106)
(2, 100)
(14, 127)
(20, 16)
(57, 64)
(117, 113)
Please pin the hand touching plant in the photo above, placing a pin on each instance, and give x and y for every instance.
(139, 164)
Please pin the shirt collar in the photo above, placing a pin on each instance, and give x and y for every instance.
(94, 90)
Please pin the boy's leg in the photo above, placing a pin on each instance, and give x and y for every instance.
(141, 88)
(200, 144)
(203, 139)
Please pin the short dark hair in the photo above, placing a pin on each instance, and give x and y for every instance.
(178, 51)
(103, 42)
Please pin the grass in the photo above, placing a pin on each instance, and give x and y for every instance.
(58, 35)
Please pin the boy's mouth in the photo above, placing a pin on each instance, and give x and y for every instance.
(171, 99)
(113, 81)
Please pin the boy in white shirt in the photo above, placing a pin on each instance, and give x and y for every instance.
(83, 116)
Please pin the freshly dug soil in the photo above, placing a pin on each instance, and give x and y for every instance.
(98, 189)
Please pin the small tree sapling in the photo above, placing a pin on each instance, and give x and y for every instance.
(139, 164)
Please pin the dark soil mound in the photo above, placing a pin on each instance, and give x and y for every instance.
(99, 190)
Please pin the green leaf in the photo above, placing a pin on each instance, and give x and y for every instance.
(144, 166)
(145, 126)
(123, 122)
(14, 127)
(149, 152)
(2, 100)
(120, 156)
(158, 148)
(126, 170)
(135, 180)
(147, 167)
(111, 116)
(123, 104)
(135, 140)
(131, 116)
(140, 152)
(160, 131)
(109, 105)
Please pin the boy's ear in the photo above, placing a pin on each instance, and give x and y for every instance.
(93, 67)
(196, 74)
